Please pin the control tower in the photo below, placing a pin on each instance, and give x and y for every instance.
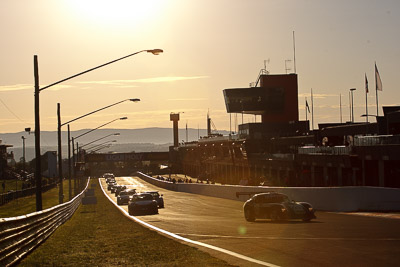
(174, 117)
(276, 100)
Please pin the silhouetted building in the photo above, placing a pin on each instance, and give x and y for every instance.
(282, 151)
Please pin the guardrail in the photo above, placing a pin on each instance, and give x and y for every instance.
(20, 235)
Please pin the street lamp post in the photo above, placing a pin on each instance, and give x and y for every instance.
(73, 164)
(102, 144)
(73, 145)
(99, 148)
(69, 164)
(23, 154)
(23, 166)
(85, 133)
(352, 104)
(60, 172)
(38, 169)
(61, 198)
(99, 139)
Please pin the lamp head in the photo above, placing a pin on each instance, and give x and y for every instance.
(155, 51)
(123, 118)
(365, 115)
(352, 89)
(117, 134)
(134, 99)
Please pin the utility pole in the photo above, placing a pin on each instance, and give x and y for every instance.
(38, 160)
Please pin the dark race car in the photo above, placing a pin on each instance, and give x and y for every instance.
(276, 206)
(142, 203)
(108, 176)
(157, 197)
(125, 195)
(110, 185)
(118, 189)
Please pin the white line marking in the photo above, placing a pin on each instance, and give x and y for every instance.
(231, 253)
(373, 214)
(292, 238)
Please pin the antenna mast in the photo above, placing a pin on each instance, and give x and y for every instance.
(286, 67)
(294, 53)
(262, 72)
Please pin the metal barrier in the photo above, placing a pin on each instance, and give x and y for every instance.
(20, 235)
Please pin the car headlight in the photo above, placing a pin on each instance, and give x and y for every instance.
(283, 210)
(310, 209)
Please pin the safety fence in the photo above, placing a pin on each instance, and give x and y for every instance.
(9, 196)
(20, 235)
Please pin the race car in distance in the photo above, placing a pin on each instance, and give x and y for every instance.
(110, 185)
(157, 197)
(108, 176)
(125, 195)
(276, 206)
(118, 189)
(142, 203)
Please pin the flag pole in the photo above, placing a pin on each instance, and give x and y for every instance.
(312, 110)
(340, 104)
(350, 104)
(366, 97)
(376, 89)
(306, 109)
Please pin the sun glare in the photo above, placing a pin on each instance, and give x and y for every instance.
(116, 11)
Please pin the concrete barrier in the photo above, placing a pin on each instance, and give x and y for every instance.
(343, 199)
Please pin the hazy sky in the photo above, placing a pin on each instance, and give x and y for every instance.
(209, 45)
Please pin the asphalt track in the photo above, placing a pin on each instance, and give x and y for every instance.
(331, 240)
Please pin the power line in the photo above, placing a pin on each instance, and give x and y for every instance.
(15, 115)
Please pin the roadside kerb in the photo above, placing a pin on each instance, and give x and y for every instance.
(339, 199)
(20, 235)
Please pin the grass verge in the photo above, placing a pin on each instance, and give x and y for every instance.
(99, 235)
(26, 205)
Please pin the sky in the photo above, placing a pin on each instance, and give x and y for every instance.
(209, 45)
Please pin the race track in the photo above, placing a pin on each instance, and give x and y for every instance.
(331, 240)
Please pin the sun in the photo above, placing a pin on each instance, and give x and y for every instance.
(116, 11)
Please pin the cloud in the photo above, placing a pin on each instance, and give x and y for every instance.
(318, 96)
(187, 99)
(125, 83)
(19, 87)
(115, 83)
(15, 87)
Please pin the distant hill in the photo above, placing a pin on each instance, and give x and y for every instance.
(139, 140)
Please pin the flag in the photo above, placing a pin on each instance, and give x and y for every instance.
(378, 81)
(307, 106)
(366, 84)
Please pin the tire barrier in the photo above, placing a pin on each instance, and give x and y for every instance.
(21, 235)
